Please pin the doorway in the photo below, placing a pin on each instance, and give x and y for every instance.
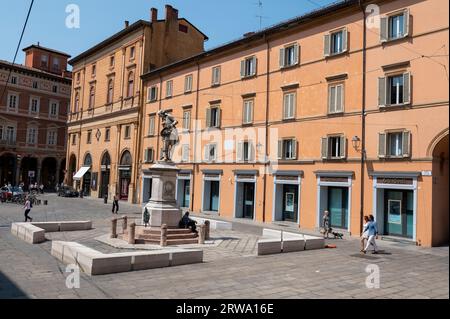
(398, 213)
(245, 200)
(211, 196)
(338, 206)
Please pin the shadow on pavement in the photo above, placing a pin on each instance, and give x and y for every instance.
(9, 290)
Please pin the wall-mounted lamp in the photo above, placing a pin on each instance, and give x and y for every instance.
(356, 141)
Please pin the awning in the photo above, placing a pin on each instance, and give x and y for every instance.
(79, 175)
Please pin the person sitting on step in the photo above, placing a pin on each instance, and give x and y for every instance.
(186, 222)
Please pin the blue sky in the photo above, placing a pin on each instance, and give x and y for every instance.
(222, 21)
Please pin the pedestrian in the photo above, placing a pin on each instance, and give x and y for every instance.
(28, 205)
(373, 235)
(326, 224)
(41, 188)
(115, 207)
(187, 222)
(365, 233)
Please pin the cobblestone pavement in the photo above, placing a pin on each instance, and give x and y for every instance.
(231, 268)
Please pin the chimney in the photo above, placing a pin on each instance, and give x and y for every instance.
(171, 13)
(127, 24)
(154, 15)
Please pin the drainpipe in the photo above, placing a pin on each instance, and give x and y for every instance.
(266, 149)
(157, 117)
(194, 164)
(363, 115)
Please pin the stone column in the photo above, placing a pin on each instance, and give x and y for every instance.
(164, 235)
(201, 234)
(207, 229)
(124, 224)
(114, 228)
(132, 233)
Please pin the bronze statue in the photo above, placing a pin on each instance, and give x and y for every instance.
(169, 135)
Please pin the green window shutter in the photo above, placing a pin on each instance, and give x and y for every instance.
(219, 117)
(345, 40)
(239, 151)
(339, 98)
(382, 92)
(382, 145)
(243, 69)
(207, 152)
(343, 149)
(208, 117)
(146, 156)
(282, 57)
(331, 99)
(326, 45)
(407, 88)
(254, 66)
(294, 149)
(280, 149)
(406, 144)
(384, 29)
(296, 53)
(324, 149)
(406, 25)
(252, 153)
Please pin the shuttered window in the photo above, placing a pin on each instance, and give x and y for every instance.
(334, 147)
(287, 149)
(247, 112)
(336, 98)
(213, 116)
(394, 90)
(245, 152)
(210, 152)
(151, 125)
(149, 155)
(289, 55)
(394, 144)
(152, 94)
(248, 67)
(335, 42)
(188, 83)
(216, 75)
(169, 88)
(289, 105)
(186, 120)
(395, 26)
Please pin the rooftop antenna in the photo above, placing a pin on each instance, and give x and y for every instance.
(260, 16)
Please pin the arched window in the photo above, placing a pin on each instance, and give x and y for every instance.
(106, 160)
(88, 160)
(77, 102)
(126, 159)
(110, 91)
(91, 97)
(130, 89)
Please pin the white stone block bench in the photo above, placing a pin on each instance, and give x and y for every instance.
(275, 242)
(93, 262)
(214, 224)
(34, 233)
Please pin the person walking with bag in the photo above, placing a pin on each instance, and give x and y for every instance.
(27, 208)
(115, 207)
(373, 234)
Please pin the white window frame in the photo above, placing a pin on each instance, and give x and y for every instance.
(216, 75)
(108, 136)
(333, 103)
(16, 102)
(284, 56)
(248, 111)
(187, 120)
(13, 79)
(152, 94)
(38, 105)
(151, 125)
(149, 155)
(287, 106)
(188, 81)
(35, 130)
(249, 67)
(208, 148)
(50, 106)
(44, 58)
(169, 88)
(52, 136)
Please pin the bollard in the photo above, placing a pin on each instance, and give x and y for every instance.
(207, 229)
(124, 224)
(164, 235)
(131, 233)
(201, 234)
(114, 228)
(45, 202)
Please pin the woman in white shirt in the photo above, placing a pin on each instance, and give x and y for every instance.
(27, 208)
(365, 233)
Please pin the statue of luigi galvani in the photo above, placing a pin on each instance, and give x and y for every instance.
(162, 206)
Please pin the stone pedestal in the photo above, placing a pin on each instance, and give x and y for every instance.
(162, 205)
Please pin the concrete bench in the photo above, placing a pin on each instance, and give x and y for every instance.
(214, 224)
(94, 262)
(28, 232)
(275, 241)
(34, 233)
(269, 246)
(313, 242)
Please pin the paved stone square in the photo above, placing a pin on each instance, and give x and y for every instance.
(231, 268)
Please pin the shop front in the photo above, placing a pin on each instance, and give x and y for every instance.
(245, 194)
(211, 191)
(183, 192)
(286, 203)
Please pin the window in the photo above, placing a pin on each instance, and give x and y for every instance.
(188, 83)
(77, 103)
(213, 117)
(187, 120)
(287, 149)
(53, 109)
(55, 89)
(289, 106)
(112, 61)
(78, 76)
(248, 67)
(35, 84)
(44, 60)
(34, 105)
(185, 153)
(336, 42)
(335, 98)
(10, 135)
(132, 52)
(107, 134)
(74, 139)
(94, 70)
(130, 87)
(110, 95)
(245, 152)
(395, 26)
(51, 137)
(394, 90)
(216, 75)
(149, 155)
(32, 135)
(13, 102)
(13, 79)
(334, 147)
(183, 28)
(247, 116)
(169, 88)
(210, 152)
(394, 144)
(89, 137)
(289, 55)
(151, 125)
(152, 94)
(127, 134)
(56, 64)
(91, 97)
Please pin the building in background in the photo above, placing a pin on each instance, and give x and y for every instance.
(33, 115)
(327, 111)
(103, 126)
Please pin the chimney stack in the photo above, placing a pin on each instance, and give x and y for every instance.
(171, 13)
(127, 24)
(154, 15)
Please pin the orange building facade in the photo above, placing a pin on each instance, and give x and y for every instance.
(344, 109)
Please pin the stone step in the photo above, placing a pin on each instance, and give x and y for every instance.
(169, 232)
(169, 236)
(170, 242)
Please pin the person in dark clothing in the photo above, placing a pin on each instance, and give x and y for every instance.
(115, 207)
(186, 222)
(27, 207)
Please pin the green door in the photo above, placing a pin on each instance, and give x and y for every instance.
(338, 206)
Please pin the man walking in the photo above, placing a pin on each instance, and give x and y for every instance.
(373, 234)
(27, 208)
(115, 207)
